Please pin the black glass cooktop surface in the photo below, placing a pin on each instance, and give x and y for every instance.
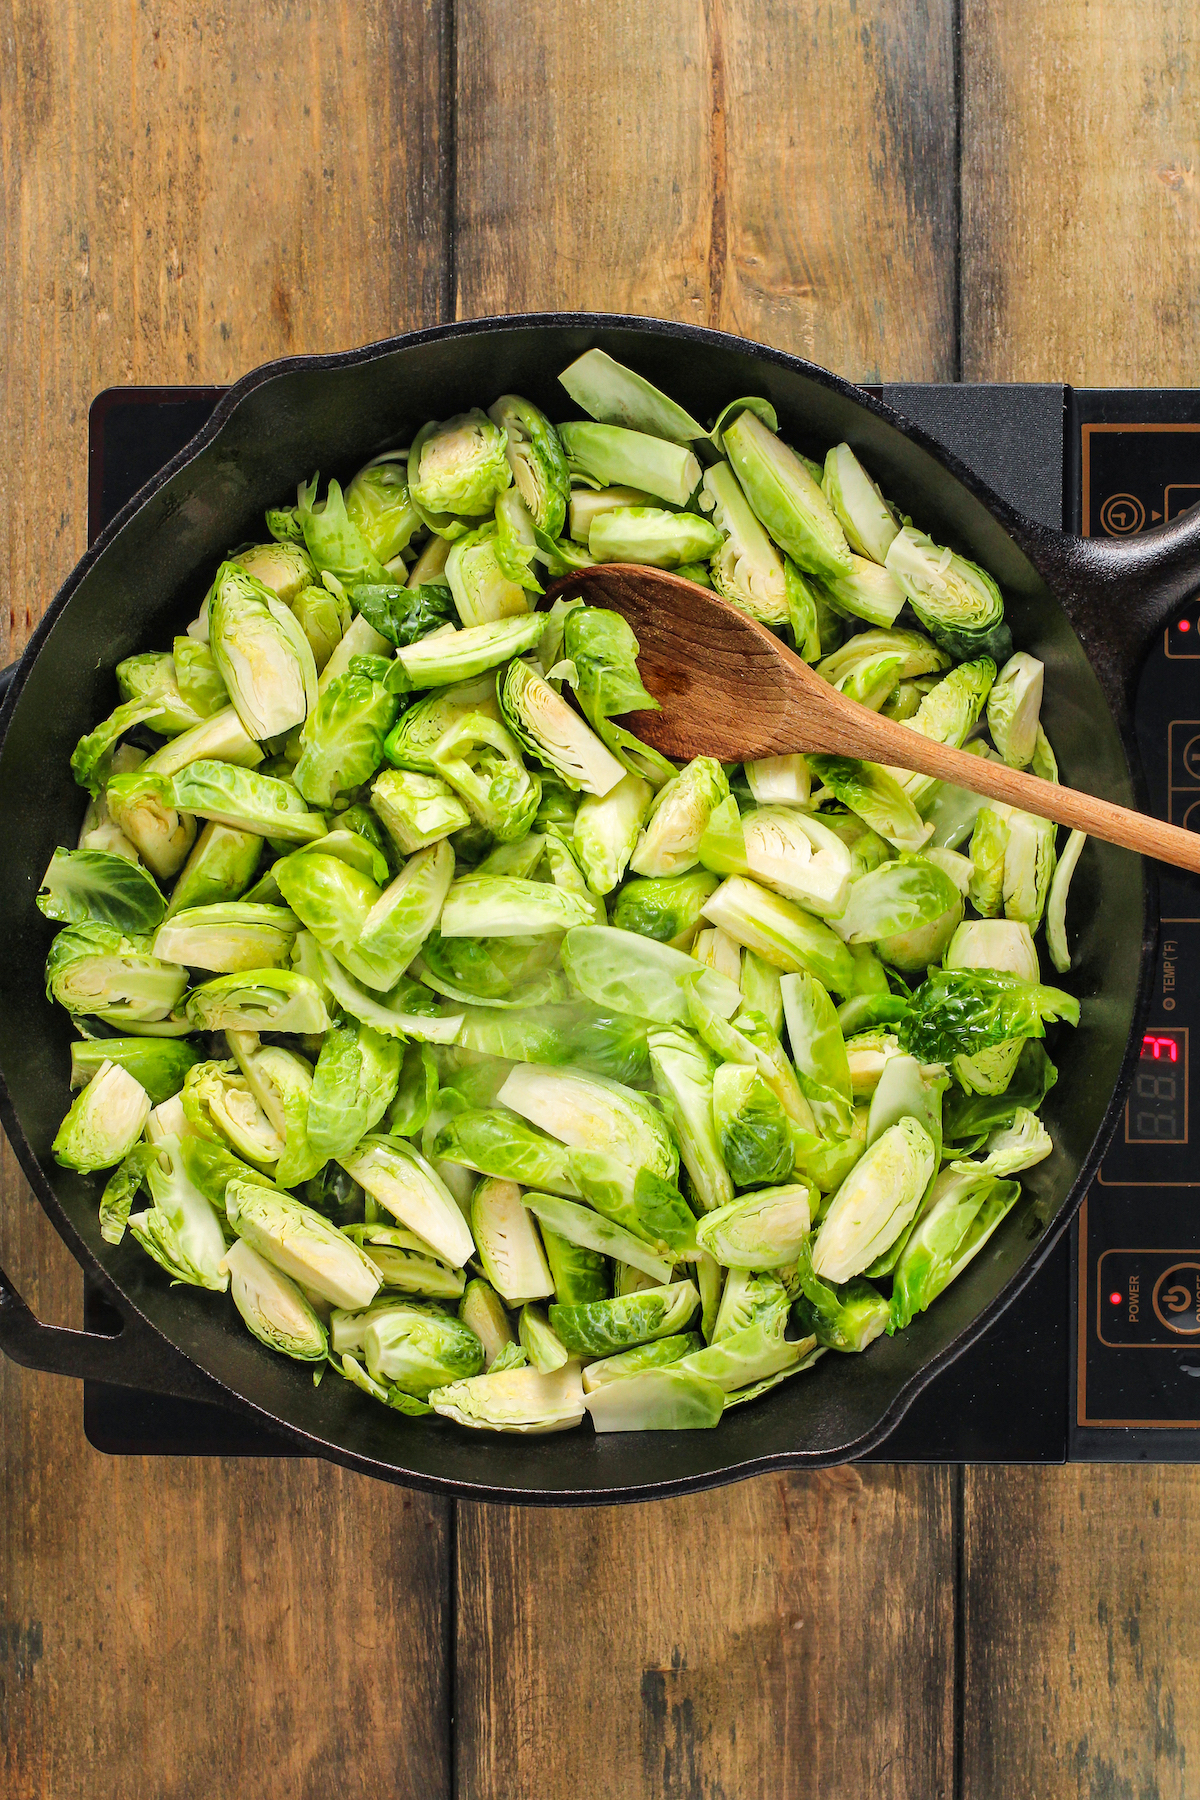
(1099, 1358)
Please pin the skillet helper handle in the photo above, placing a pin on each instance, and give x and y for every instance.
(135, 1357)
(1119, 593)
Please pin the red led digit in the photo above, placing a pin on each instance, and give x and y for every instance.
(1162, 1049)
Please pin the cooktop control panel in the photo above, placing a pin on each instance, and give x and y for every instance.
(1137, 1299)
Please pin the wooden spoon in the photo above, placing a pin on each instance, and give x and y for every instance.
(728, 688)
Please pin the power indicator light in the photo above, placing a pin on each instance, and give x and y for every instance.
(1114, 1299)
(1185, 624)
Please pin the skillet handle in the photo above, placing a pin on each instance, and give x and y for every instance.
(135, 1357)
(1119, 593)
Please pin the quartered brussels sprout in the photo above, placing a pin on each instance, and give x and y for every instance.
(273, 1306)
(262, 655)
(105, 1121)
(819, 1053)
(144, 806)
(418, 1349)
(228, 938)
(786, 498)
(603, 652)
(378, 505)
(660, 1353)
(341, 744)
(865, 591)
(647, 534)
(222, 738)
(545, 727)
(615, 395)
(581, 1228)
(746, 567)
(841, 1315)
(302, 1244)
(865, 516)
(219, 1100)
(715, 949)
(670, 840)
(606, 830)
(524, 1400)
(159, 1064)
(798, 856)
(508, 1244)
(752, 1127)
(782, 934)
(457, 470)
(500, 906)
(1029, 863)
(152, 677)
(617, 457)
(181, 1230)
(876, 796)
(947, 714)
(605, 1326)
(404, 1184)
(482, 1311)
(962, 1212)
(1013, 707)
(779, 780)
(875, 1202)
(955, 600)
(683, 1072)
(763, 1230)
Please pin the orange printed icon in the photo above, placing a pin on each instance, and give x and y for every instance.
(1122, 515)
(1176, 1298)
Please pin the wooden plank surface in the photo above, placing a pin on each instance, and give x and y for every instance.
(188, 190)
(1080, 262)
(792, 1635)
(752, 166)
(779, 171)
(1082, 1641)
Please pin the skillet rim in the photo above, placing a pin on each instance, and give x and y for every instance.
(1025, 538)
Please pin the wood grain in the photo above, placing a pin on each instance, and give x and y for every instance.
(1082, 1639)
(1080, 263)
(791, 1635)
(188, 190)
(782, 172)
(1080, 247)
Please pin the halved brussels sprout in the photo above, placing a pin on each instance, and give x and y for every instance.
(93, 970)
(588, 503)
(606, 829)
(586, 1112)
(670, 841)
(417, 810)
(273, 1306)
(220, 738)
(955, 600)
(546, 727)
(160, 1064)
(947, 715)
(759, 1231)
(866, 591)
(458, 656)
(786, 498)
(219, 1102)
(537, 460)
(753, 1130)
(258, 1000)
(181, 1231)
(798, 855)
(418, 731)
(418, 1348)
(458, 470)
(962, 1212)
(1029, 861)
(717, 950)
(994, 944)
(523, 1400)
(819, 1053)
(151, 676)
(668, 909)
(284, 568)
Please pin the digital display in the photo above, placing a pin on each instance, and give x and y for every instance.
(1156, 1112)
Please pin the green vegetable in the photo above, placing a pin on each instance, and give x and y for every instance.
(537, 460)
(261, 654)
(221, 866)
(508, 1244)
(302, 1244)
(875, 1202)
(615, 395)
(1013, 707)
(671, 1399)
(781, 933)
(228, 938)
(786, 498)
(544, 725)
(616, 457)
(608, 1325)
(955, 600)
(94, 886)
(273, 1306)
(759, 1231)
(104, 1122)
(865, 516)
(457, 470)
(523, 1400)
(341, 744)
(961, 1011)
(647, 534)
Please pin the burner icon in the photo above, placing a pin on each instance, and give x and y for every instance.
(1176, 1298)
(1122, 515)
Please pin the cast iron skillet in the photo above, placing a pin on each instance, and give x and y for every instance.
(1088, 608)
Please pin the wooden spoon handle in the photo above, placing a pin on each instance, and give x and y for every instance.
(888, 741)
